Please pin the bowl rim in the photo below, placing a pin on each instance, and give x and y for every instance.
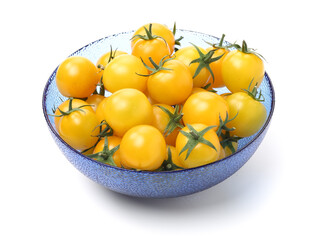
(55, 133)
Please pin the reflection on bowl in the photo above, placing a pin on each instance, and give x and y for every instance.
(154, 184)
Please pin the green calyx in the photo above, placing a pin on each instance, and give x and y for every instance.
(220, 44)
(156, 67)
(255, 93)
(204, 61)
(245, 49)
(194, 138)
(148, 36)
(104, 131)
(175, 119)
(70, 109)
(106, 155)
(223, 132)
(168, 164)
(177, 40)
(206, 87)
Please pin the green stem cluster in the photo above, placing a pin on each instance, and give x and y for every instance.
(194, 138)
(224, 133)
(204, 61)
(175, 119)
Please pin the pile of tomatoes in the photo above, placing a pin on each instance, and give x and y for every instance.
(155, 108)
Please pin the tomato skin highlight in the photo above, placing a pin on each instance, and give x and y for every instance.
(127, 108)
(240, 69)
(77, 77)
(251, 114)
(143, 147)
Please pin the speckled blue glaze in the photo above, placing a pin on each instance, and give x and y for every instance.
(154, 184)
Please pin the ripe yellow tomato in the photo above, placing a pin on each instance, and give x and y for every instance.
(174, 156)
(222, 153)
(242, 69)
(187, 55)
(113, 141)
(127, 108)
(170, 86)
(251, 114)
(122, 72)
(77, 77)
(155, 48)
(78, 128)
(159, 30)
(161, 120)
(206, 108)
(108, 56)
(201, 153)
(94, 100)
(100, 111)
(142, 147)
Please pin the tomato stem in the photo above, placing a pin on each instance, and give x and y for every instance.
(106, 155)
(177, 40)
(175, 119)
(148, 36)
(156, 68)
(204, 61)
(223, 132)
(70, 109)
(195, 138)
(168, 164)
(255, 93)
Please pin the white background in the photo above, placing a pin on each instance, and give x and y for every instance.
(281, 193)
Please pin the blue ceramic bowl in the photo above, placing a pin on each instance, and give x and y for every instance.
(154, 184)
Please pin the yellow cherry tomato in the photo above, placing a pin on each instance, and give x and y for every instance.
(113, 141)
(161, 119)
(100, 111)
(206, 108)
(187, 55)
(94, 100)
(64, 106)
(202, 153)
(127, 108)
(170, 86)
(251, 114)
(108, 56)
(77, 77)
(122, 72)
(155, 48)
(159, 30)
(79, 128)
(174, 156)
(242, 69)
(222, 153)
(142, 147)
